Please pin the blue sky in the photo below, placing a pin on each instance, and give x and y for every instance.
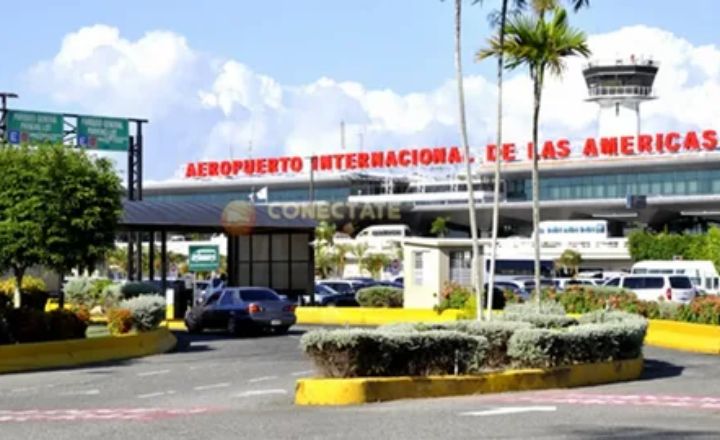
(404, 46)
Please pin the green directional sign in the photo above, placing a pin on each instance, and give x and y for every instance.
(203, 258)
(24, 126)
(100, 133)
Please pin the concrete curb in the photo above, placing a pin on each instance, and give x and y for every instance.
(370, 316)
(356, 391)
(43, 355)
(685, 336)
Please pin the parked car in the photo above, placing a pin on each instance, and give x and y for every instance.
(399, 280)
(564, 283)
(676, 288)
(321, 292)
(238, 309)
(346, 290)
(498, 297)
(515, 286)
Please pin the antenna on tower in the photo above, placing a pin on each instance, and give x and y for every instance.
(342, 135)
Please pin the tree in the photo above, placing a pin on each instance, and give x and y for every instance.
(358, 251)
(324, 232)
(341, 251)
(83, 207)
(570, 261)
(475, 270)
(58, 207)
(439, 226)
(22, 211)
(374, 262)
(542, 45)
(324, 260)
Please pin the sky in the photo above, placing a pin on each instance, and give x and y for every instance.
(221, 79)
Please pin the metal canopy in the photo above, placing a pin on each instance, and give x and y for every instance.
(199, 217)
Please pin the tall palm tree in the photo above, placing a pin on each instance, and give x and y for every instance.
(542, 45)
(476, 273)
(501, 19)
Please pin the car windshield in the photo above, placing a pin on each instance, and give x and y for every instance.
(680, 283)
(643, 283)
(324, 290)
(258, 295)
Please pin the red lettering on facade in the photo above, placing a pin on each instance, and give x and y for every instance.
(644, 143)
(530, 150)
(659, 143)
(363, 160)
(202, 169)
(508, 152)
(609, 146)
(351, 161)
(391, 159)
(190, 170)
(439, 156)
(562, 149)
(404, 158)
(590, 149)
(710, 140)
(626, 145)
(454, 156)
(272, 165)
(672, 142)
(226, 168)
(548, 150)
(426, 156)
(691, 141)
(490, 155)
(376, 159)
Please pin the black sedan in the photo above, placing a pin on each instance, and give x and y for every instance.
(239, 309)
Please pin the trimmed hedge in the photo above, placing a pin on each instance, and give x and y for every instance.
(549, 315)
(380, 296)
(147, 311)
(365, 353)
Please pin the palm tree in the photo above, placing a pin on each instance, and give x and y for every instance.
(341, 251)
(476, 273)
(439, 226)
(501, 19)
(570, 261)
(359, 251)
(542, 45)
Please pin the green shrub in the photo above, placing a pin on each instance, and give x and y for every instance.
(550, 314)
(27, 325)
(120, 321)
(136, 288)
(701, 310)
(453, 296)
(380, 296)
(147, 311)
(111, 296)
(539, 348)
(64, 324)
(79, 291)
(30, 285)
(363, 353)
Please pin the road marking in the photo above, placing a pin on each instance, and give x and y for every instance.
(261, 392)
(153, 373)
(568, 398)
(301, 373)
(262, 379)
(148, 395)
(99, 414)
(510, 410)
(23, 389)
(210, 387)
(82, 393)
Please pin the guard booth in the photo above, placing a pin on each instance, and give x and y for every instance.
(262, 250)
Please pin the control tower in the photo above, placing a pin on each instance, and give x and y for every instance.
(619, 87)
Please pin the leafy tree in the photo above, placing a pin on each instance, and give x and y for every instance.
(341, 251)
(324, 260)
(570, 261)
(324, 232)
(439, 226)
(374, 262)
(359, 251)
(542, 45)
(58, 207)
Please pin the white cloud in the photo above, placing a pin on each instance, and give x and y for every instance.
(209, 108)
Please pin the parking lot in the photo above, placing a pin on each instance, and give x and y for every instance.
(219, 387)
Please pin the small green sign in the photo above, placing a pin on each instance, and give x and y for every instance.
(27, 127)
(100, 133)
(203, 258)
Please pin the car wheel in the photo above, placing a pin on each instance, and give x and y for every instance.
(331, 304)
(232, 327)
(283, 329)
(192, 327)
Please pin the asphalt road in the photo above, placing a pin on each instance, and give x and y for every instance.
(222, 388)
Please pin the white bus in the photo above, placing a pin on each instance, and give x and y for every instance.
(701, 272)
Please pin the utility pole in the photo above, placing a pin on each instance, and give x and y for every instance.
(3, 108)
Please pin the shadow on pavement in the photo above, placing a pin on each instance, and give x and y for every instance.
(188, 342)
(655, 369)
(632, 432)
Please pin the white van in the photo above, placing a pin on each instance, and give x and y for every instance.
(675, 288)
(702, 273)
(383, 236)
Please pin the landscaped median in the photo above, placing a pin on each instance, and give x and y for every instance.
(354, 391)
(523, 349)
(699, 338)
(44, 355)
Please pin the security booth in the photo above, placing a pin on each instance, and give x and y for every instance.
(262, 250)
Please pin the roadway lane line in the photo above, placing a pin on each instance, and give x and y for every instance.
(153, 373)
(261, 392)
(157, 394)
(262, 379)
(510, 410)
(93, 392)
(213, 386)
(301, 373)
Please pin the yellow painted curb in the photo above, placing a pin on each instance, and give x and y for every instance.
(377, 389)
(370, 316)
(42, 355)
(685, 336)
